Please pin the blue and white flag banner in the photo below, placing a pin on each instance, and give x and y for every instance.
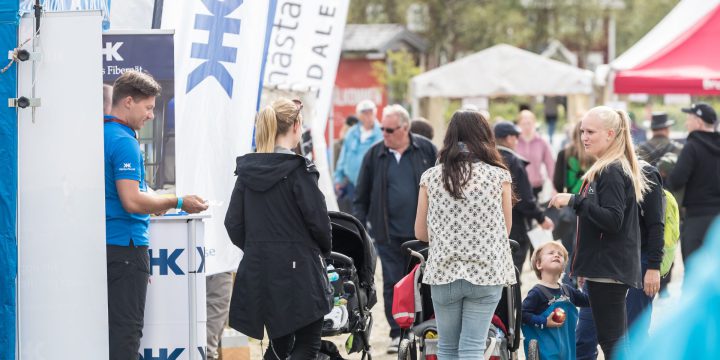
(219, 49)
(304, 51)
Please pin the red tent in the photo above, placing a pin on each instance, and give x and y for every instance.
(689, 64)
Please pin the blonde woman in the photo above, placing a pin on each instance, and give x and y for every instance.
(607, 249)
(277, 216)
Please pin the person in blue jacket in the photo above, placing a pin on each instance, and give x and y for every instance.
(358, 141)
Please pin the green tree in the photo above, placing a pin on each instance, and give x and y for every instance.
(395, 74)
(456, 28)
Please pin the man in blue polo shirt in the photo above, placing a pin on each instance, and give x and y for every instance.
(127, 209)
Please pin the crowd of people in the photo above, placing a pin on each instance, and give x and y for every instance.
(467, 199)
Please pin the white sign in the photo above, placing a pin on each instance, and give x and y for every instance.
(176, 292)
(305, 47)
(218, 60)
(62, 308)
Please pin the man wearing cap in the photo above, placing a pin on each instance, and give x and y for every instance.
(357, 141)
(506, 136)
(697, 170)
(660, 144)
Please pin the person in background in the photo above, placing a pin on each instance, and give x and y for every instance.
(572, 163)
(464, 211)
(127, 210)
(536, 150)
(344, 200)
(638, 133)
(662, 152)
(697, 170)
(358, 140)
(107, 98)
(551, 114)
(350, 121)
(660, 143)
(277, 216)
(422, 127)
(387, 195)
(607, 252)
(526, 209)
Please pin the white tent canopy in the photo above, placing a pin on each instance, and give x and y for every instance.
(502, 70)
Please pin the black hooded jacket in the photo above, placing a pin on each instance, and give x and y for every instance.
(652, 219)
(278, 217)
(607, 244)
(698, 170)
(526, 209)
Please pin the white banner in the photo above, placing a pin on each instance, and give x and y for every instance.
(305, 47)
(218, 60)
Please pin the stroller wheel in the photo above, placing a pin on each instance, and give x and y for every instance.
(407, 350)
(533, 352)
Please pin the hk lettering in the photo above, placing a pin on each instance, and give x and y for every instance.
(111, 51)
(213, 52)
(166, 261)
(165, 354)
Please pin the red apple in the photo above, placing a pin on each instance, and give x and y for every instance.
(558, 315)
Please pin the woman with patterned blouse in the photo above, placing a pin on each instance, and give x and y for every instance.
(464, 211)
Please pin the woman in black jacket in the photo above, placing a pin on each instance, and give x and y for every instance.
(277, 216)
(607, 249)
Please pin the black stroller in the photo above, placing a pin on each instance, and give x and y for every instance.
(504, 334)
(351, 269)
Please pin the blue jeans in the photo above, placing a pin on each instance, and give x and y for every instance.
(463, 312)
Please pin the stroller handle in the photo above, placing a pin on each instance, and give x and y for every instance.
(336, 256)
(514, 245)
(417, 255)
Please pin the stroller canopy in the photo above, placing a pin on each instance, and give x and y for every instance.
(351, 239)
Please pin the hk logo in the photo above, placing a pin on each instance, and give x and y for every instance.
(110, 51)
(213, 52)
(166, 261)
(166, 354)
(126, 165)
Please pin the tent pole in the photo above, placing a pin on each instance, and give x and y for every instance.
(157, 14)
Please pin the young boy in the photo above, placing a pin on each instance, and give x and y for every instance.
(555, 337)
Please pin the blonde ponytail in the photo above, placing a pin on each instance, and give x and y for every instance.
(621, 150)
(266, 130)
(274, 120)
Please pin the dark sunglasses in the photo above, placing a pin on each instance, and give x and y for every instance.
(390, 130)
(299, 105)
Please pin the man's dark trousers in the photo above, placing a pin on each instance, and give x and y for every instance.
(393, 263)
(128, 272)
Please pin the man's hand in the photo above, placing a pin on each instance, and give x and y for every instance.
(560, 200)
(193, 204)
(547, 224)
(551, 324)
(160, 213)
(651, 282)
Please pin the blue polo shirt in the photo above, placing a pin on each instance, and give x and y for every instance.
(123, 161)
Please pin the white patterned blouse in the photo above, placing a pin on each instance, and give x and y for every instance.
(468, 237)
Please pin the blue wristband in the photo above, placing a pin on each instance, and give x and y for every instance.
(179, 202)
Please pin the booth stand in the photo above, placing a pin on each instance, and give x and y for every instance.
(175, 313)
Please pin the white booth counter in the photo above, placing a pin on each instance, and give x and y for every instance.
(175, 313)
